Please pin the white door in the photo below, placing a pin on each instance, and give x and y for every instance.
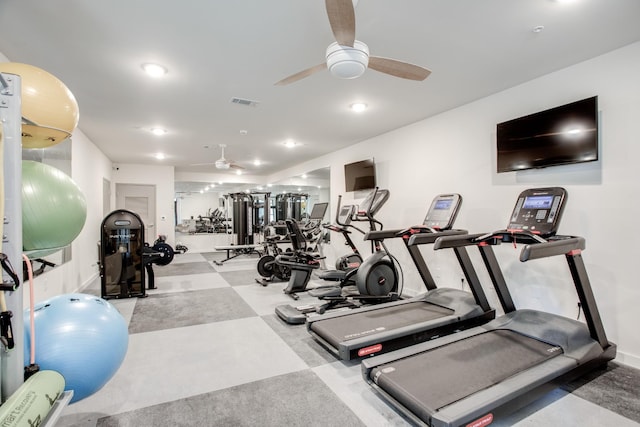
(140, 199)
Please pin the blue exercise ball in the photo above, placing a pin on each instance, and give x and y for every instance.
(83, 337)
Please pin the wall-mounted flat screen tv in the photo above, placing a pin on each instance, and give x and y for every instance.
(360, 175)
(558, 136)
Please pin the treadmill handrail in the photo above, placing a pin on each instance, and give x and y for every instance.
(381, 234)
(552, 248)
(429, 238)
(455, 241)
(494, 238)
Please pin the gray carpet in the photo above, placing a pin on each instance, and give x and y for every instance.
(614, 388)
(174, 310)
(240, 277)
(297, 399)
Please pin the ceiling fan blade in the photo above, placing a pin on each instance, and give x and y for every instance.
(342, 19)
(235, 166)
(302, 74)
(398, 68)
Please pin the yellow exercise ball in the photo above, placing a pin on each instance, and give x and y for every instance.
(49, 109)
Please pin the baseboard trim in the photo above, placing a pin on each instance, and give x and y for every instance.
(628, 359)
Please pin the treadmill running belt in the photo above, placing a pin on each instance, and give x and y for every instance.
(362, 323)
(459, 369)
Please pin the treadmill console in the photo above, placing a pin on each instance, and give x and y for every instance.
(442, 212)
(538, 210)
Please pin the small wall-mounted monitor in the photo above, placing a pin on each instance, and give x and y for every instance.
(360, 175)
(558, 136)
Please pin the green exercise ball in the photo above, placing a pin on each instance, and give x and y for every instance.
(53, 207)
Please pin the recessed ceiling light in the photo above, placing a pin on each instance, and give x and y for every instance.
(158, 131)
(538, 28)
(238, 172)
(257, 162)
(154, 70)
(289, 143)
(160, 156)
(358, 107)
(303, 176)
(243, 132)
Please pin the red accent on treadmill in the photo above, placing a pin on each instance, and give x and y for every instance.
(483, 421)
(575, 252)
(365, 351)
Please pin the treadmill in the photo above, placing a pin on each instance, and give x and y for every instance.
(385, 327)
(477, 375)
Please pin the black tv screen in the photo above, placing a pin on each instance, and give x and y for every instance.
(558, 136)
(360, 175)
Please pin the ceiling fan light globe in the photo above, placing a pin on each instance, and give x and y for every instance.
(347, 62)
(222, 165)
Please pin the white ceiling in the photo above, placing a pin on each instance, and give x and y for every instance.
(218, 50)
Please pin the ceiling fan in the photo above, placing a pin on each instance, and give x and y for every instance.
(223, 163)
(347, 57)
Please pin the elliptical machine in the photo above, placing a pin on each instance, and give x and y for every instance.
(344, 214)
(375, 276)
(376, 280)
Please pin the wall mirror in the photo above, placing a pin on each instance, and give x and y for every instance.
(205, 208)
(58, 156)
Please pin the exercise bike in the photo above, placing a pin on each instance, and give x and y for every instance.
(311, 235)
(267, 267)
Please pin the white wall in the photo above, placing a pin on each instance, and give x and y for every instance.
(454, 152)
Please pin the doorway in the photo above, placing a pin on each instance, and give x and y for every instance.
(140, 199)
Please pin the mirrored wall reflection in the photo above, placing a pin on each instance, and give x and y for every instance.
(204, 208)
(59, 157)
(315, 184)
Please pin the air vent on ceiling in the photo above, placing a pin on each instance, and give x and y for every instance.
(245, 102)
